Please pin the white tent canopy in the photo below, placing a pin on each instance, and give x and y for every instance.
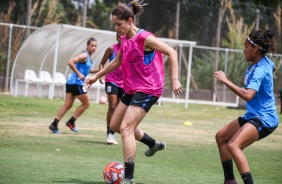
(52, 46)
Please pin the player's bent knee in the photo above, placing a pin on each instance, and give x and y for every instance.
(126, 129)
(218, 137)
(87, 105)
(232, 146)
(115, 128)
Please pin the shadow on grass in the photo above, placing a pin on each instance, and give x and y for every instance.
(77, 181)
(94, 142)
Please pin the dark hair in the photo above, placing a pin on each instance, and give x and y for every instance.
(117, 35)
(264, 39)
(92, 39)
(126, 11)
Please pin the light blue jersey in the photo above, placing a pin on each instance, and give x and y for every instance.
(83, 68)
(260, 78)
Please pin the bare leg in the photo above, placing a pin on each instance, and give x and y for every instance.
(113, 102)
(244, 137)
(133, 116)
(223, 136)
(68, 104)
(85, 103)
(118, 117)
(231, 140)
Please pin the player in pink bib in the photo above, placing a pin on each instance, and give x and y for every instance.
(140, 56)
(143, 71)
(113, 87)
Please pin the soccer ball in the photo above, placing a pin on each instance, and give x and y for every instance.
(113, 172)
(102, 100)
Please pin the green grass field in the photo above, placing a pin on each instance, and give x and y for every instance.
(30, 153)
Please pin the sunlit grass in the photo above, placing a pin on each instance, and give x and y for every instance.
(30, 153)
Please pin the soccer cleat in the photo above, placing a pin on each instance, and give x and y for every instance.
(233, 181)
(158, 146)
(71, 126)
(54, 129)
(127, 181)
(111, 139)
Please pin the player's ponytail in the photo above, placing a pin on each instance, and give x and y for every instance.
(126, 11)
(264, 39)
(137, 7)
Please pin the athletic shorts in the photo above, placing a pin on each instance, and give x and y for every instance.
(74, 89)
(112, 89)
(262, 130)
(139, 99)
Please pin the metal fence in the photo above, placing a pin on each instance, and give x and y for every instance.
(196, 66)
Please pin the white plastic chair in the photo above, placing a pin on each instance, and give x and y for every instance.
(98, 86)
(46, 79)
(30, 77)
(60, 80)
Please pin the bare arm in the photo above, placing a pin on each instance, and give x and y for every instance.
(154, 43)
(110, 67)
(246, 94)
(80, 58)
(105, 58)
(92, 70)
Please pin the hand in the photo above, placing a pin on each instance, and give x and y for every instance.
(90, 80)
(176, 87)
(220, 75)
(101, 80)
(80, 76)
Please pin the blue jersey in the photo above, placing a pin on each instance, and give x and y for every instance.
(113, 56)
(259, 77)
(83, 68)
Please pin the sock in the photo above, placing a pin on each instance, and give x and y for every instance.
(228, 169)
(109, 130)
(129, 170)
(247, 178)
(72, 120)
(55, 122)
(149, 141)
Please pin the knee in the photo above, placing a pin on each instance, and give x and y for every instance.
(114, 128)
(219, 137)
(125, 129)
(232, 146)
(86, 105)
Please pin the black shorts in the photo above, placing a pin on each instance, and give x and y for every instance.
(262, 130)
(140, 99)
(74, 89)
(112, 89)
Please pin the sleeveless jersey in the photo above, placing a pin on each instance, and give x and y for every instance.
(115, 76)
(83, 68)
(139, 75)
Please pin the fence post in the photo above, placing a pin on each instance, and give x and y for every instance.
(8, 59)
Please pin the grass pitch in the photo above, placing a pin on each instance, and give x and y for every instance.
(30, 153)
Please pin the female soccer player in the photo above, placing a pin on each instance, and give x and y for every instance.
(81, 66)
(113, 87)
(261, 117)
(140, 55)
